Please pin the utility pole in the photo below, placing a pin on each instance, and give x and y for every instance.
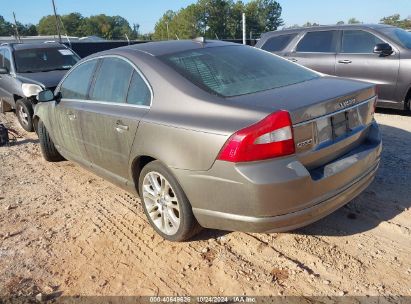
(17, 29)
(57, 20)
(168, 33)
(244, 31)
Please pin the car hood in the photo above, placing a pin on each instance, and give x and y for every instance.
(45, 79)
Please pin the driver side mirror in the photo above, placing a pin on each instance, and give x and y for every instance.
(45, 96)
(383, 49)
(4, 71)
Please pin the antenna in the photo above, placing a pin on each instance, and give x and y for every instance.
(57, 20)
(65, 31)
(16, 27)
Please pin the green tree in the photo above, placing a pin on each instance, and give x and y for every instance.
(47, 25)
(72, 24)
(120, 28)
(186, 24)
(309, 24)
(219, 19)
(162, 27)
(353, 21)
(27, 29)
(340, 23)
(234, 22)
(395, 20)
(214, 15)
(6, 28)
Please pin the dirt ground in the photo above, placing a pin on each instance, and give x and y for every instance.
(63, 229)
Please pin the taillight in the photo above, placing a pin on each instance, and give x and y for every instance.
(271, 137)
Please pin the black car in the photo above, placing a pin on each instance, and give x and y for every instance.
(27, 69)
(377, 53)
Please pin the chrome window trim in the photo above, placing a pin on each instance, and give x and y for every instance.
(107, 102)
(334, 113)
(123, 104)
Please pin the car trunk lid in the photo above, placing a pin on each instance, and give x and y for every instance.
(330, 115)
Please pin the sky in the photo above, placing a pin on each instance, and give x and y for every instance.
(147, 12)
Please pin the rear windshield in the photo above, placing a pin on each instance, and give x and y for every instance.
(236, 70)
(43, 60)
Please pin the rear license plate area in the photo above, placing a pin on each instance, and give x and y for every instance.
(339, 123)
(333, 127)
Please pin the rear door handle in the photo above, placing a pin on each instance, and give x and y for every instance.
(120, 127)
(292, 59)
(71, 116)
(345, 61)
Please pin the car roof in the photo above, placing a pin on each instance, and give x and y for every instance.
(29, 46)
(328, 27)
(175, 46)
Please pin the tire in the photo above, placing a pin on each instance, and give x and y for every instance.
(407, 106)
(47, 147)
(24, 113)
(166, 206)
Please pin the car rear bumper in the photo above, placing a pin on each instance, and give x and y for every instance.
(281, 194)
(286, 222)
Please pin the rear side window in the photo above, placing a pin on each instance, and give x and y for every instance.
(319, 42)
(359, 42)
(112, 81)
(236, 70)
(76, 85)
(138, 93)
(278, 43)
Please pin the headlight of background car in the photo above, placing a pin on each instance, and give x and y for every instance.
(30, 89)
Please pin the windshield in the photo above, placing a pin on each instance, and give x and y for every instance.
(399, 35)
(236, 70)
(44, 60)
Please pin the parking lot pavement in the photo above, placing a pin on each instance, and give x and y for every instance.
(65, 229)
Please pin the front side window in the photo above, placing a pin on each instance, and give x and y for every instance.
(319, 42)
(77, 83)
(278, 43)
(44, 60)
(138, 93)
(112, 81)
(236, 70)
(359, 42)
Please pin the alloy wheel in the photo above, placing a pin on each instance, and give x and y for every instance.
(24, 117)
(161, 203)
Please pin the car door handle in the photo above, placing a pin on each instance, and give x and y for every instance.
(71, 116)
(345, 61)
(292, 59)
(120, 127)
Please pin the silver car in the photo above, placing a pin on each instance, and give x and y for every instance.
(213, 134)
(375, 53)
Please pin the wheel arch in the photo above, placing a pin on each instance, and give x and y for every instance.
(137, 166)
(407, 99)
